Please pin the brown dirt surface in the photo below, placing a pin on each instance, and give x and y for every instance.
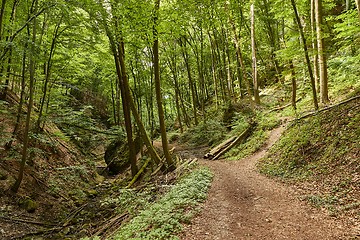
(243, 204)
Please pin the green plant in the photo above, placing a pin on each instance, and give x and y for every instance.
(208, 132)
(163, 219)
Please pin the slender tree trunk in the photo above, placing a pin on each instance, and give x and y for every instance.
(113, 101)
(22, 96)
(254, 65)
(314, 46)
(127, 114)
(8, 69)
(2, 13)
(240, 60)
(213, 68)
(173, 69)
(159, 100)
(48, 74)
(321, 52)
(32, 67)
(293, 84)
(357, 2)
(308, 63)
(191, 83)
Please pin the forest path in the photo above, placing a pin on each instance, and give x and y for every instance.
(243, 204)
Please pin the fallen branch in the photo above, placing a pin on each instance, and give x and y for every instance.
(225, 146)
(110, 223)
(135, 178)
(27, 221)
(73, 214)
(219, 147)
(239, 139)
(186, 163)
(327, 108)
(32, 234)
(282, 107)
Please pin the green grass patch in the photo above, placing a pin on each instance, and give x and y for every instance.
(252, 144)
(163, 219)
(208, 132)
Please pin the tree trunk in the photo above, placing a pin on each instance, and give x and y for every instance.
(48, 73)
(254, 64)
(314, 46)
(8, 69)
(22, 96)
(159, 101)
(213, 68)
(2, 12)
(293, 85)
(173, 69)
(321, 52)
(118, 54)
(357, 2)
(308, 63)
(32, 67)
(191, 83)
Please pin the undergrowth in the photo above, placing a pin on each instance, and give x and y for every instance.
(322, 153)
(208, 132)
(163, 219)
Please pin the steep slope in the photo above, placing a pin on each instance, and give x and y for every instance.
(320, 154)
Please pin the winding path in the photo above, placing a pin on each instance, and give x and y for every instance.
(243, 204)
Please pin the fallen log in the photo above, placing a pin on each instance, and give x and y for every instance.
(221, 149)
(327, 108)
(282, 107)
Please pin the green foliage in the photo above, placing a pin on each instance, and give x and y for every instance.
(208, 132)
(163, 219)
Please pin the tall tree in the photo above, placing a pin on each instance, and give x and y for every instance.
(159, 101)
(254, 59)
(32, 69)
(306, 52)
(357, 2)
(321, 53)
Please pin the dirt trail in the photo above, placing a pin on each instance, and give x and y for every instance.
(244, 204)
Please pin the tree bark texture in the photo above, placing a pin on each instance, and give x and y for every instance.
(321, 52)
(307, 58)
(32, 67)
(254, 60)
(159, 101)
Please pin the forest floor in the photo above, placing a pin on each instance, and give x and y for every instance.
(243, 204)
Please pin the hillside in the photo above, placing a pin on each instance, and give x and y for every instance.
(320, 154)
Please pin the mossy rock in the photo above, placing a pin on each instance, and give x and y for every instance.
(117, 157)
(28, 204)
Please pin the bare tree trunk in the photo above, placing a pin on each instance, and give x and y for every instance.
(159, 101)
(357, 2)
(191, 83)
(307, 59)
(22, 96)
(293, 85)
(321, 52)
(2, 12)
(314, 46)
(254, 64)
(213, 68)
(32, 67)
(8, 69)
(48, 73)
(173, 69)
